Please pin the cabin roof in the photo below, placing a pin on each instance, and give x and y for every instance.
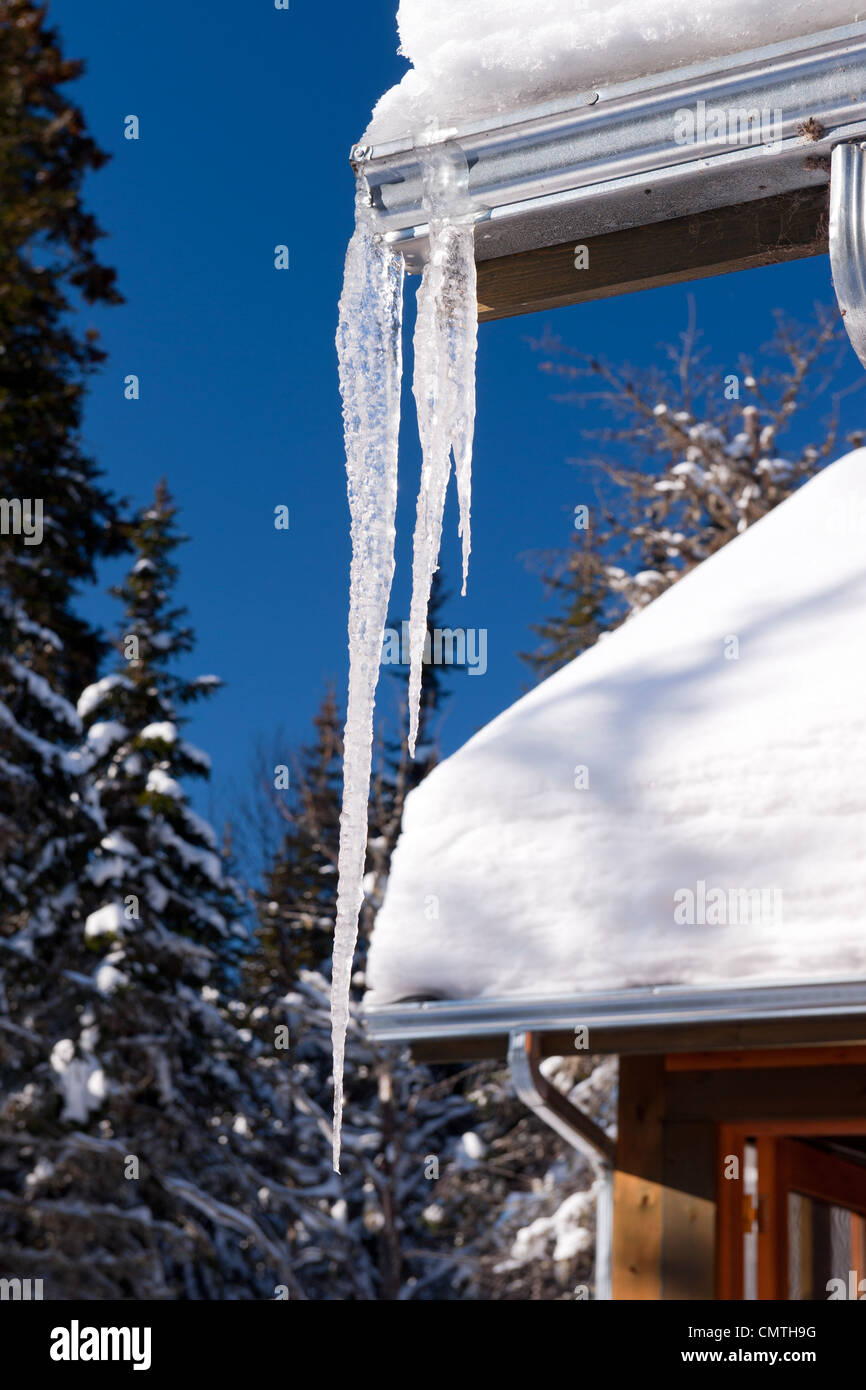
(668, 831)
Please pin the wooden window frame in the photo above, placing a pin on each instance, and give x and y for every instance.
(786, 1170)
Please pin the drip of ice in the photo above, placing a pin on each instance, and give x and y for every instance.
(446, 333)
(370, 354)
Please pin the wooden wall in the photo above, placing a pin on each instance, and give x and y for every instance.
(670, 1156)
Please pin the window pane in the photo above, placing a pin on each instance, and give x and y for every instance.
(819, 1247)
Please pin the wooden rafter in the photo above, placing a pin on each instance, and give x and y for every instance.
(787, 227)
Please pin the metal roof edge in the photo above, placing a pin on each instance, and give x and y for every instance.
(688, 73)
(586, 168)
(618, 1010)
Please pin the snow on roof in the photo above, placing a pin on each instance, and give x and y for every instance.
(474, 59)
(684, 804)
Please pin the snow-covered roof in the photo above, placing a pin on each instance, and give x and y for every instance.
(718, 738)
(475, 59)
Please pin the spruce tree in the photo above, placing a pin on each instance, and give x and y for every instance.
(297, 905)
(137, 1152)
(362, 1234)
(56, 518)
(160, 860)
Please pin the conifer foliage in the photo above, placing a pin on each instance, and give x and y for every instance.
(361, 1234)
(137, 1141)
(56, 518)
(297, 905)
(159, 860)
(695, 457)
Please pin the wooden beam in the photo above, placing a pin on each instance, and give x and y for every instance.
(772, 1223)
(444, 1050)
(788, 1101)
(638, 1181)
(689, 1250)
(822, 1176)
(731, 1209)
(785, 227)
(855, 1055)
(730, 1038)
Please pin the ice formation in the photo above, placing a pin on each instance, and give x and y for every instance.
(369, 347)
(370, 355)
(446, 332)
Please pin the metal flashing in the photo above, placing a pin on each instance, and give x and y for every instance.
(611, 158)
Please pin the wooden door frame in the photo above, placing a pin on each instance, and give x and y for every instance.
(780, 1163)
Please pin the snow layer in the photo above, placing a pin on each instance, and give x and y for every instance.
(94, 695)
(717, 739)
(80, 1080)
(106, 921)
(474, 59)
(163, 731)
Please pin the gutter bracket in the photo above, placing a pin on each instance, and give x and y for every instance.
(582, 1133)
(848, 239)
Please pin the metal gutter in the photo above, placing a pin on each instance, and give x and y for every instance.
(848, 240)
(609, 159)
(583, 1134)
(620, 1013)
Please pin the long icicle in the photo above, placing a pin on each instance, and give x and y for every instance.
(446, 332)
(370, 355)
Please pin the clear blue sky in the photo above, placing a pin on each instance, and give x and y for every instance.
(247, 114)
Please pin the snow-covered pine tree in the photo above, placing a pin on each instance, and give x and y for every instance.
(516, 1198)
(139, 1153)
(363, 1234)
(56, 519)
(698, 456)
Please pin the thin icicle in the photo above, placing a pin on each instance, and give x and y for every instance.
(446, 332)
(466, 329)
(370, 355)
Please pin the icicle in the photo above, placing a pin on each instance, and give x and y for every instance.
(369, 348)
(446, 331)
(370, 355)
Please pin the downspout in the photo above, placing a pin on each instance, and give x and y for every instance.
(582, 1133)
(848, 239)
